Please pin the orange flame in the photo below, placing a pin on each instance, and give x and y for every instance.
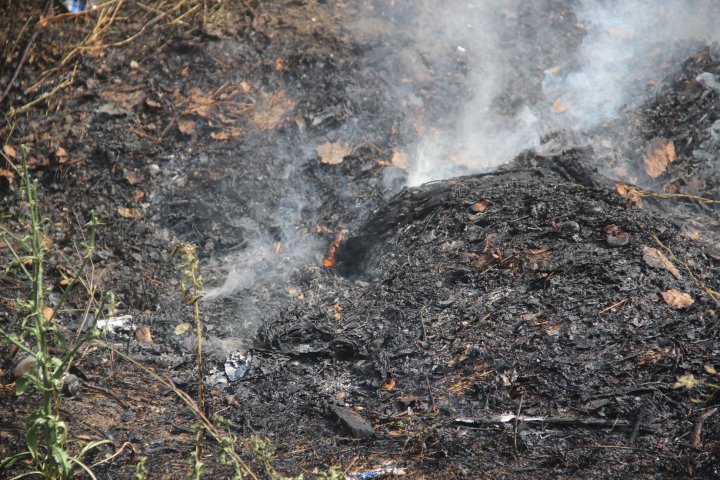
(329, 261)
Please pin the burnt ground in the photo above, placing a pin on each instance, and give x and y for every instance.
(508, 324)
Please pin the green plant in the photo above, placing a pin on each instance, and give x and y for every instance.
(192, 290)
(141, 471)
(689, 382)
(46, 433)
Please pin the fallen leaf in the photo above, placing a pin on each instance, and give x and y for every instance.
(538, 251)
(61, 155)
(9, 150)
(133, 178)
(653, 355)
(134, 64)
(271, 111)
(711, 370)
(676, 299)
(554, 328)
(333, 153)
(48, 313)
(222, 136)
(479, 206)
(186, 126)
(279, 64)
(389, 385)
(559, 106)
(124, 100)
(34, 162)
(152, 103)
(400, 160)
(143, 335)
(139, 195)
(9, 174)
(656, 259)
(659, 153)
(621, 189)
(245, 86)
(226, 135)
(129, 212)
(182, 328)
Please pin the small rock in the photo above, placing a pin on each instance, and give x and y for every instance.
(70, 385)
(570, 227)
(616, 236)
(23, 365)
(352, 422)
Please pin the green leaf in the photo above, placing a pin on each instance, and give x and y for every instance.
(21, 384)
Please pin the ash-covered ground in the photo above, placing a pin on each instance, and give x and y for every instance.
(525, 314)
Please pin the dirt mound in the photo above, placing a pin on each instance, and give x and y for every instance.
(495, 323)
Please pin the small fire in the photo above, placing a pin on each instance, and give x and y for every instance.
(329, 261)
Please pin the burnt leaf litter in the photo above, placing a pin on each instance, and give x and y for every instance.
(527, 322)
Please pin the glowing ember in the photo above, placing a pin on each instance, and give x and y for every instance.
(329, 261)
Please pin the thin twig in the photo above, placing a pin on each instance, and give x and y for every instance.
(26, 52)
(44, 96)
(697, 427)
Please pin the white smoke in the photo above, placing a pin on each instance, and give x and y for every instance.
(627, 45)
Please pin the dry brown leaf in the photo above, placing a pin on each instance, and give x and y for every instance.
(9, 174)
(129, 212)
(333, 153)
(245, 86)
(710, 369)
(226, 120)
(654, 355)
(186, 126)
(222, 136)
(621, 189)
(138, 196)
(677, 299)
(61, 155)
(9, 150)
(479, 206)
(48, 313)
(554, 328)
(143, 334)
(659, 153)
(633, 198)
(152, 103)
(34, 162)
(559, 106)
(400, 160)
(226, 135)
(124, 100)
(133, 178)
(656, 259)
(538, 251)
(389, 385)
(279, 64)
(272, 110)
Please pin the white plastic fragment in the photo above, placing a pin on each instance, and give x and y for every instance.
(116, 324)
